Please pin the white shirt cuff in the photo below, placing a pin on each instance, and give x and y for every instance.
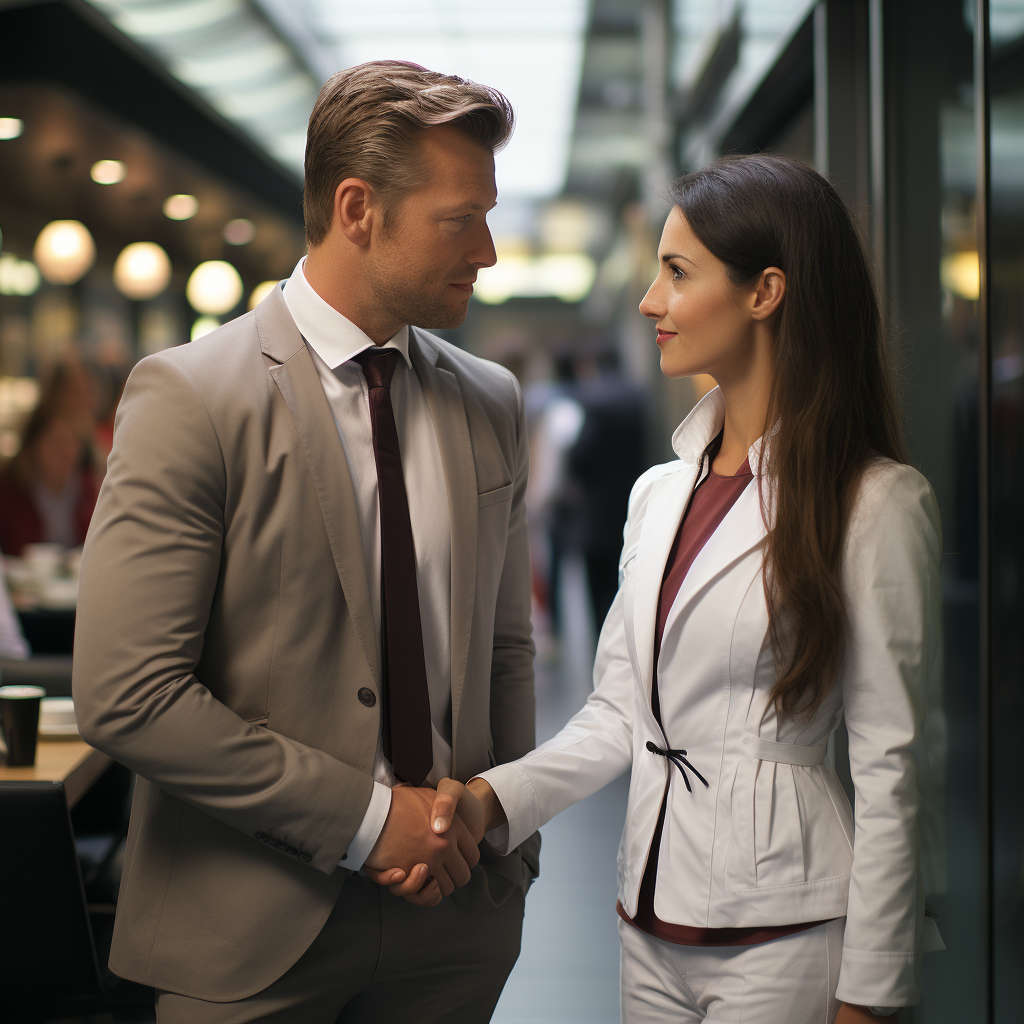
(370, 829)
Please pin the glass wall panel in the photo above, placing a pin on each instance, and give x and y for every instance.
(1006, 282)
(933, 288)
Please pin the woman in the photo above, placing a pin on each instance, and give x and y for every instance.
(782, 573)
(48, 492)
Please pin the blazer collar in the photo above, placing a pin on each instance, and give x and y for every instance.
(704, 421)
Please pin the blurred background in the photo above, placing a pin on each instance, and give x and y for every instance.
(150, 189)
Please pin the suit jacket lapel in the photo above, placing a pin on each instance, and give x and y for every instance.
(296, 377)
(451, 427)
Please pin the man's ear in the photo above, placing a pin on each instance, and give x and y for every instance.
(768, 293)
(354, 210)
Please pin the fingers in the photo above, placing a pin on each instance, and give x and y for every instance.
(449, 792)
(444, 879)
(467, 847)
(418, 878)
(428, 896)
(388, 877)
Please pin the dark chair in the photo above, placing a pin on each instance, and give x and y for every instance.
(48, 941)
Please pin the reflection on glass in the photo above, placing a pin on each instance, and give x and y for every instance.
(1007, 344)
(929, 75)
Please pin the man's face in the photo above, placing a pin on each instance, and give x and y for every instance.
(422, 268)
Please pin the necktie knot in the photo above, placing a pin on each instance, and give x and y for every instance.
(378, 365)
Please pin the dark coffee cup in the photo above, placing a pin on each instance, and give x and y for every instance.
(19, 719)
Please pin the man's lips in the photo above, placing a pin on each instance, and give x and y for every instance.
(663, 336)
(463, 286)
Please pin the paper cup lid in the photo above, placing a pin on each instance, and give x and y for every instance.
(21, 692)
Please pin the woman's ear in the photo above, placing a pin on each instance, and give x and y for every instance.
(768, 293)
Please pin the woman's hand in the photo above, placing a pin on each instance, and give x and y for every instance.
(476, 804)
(849, 1013)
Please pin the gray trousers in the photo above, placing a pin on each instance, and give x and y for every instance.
(381, 960)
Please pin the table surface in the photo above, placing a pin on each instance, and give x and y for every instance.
(71, 761)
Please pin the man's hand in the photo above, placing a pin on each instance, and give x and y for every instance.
(412, 859)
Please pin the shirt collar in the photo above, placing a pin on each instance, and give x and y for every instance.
(332, 336)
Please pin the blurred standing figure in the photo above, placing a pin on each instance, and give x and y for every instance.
(48, 491)
(604, 463)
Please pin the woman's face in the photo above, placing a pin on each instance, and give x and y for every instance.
(704, 321)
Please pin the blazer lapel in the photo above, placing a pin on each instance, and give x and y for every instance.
(296, 377)
(742, 528)
(665, 509)
(451, 428)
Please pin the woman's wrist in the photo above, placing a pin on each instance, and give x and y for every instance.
(494, 813)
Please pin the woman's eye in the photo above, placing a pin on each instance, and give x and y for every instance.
(677, 273)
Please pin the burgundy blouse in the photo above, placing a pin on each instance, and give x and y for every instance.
(709, 505)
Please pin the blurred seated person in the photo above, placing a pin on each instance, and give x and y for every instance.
(48, 491)
(13, 644)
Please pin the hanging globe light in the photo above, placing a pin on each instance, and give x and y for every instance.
(142, 270)
(64, 251)
(214, 288)
(261, 291)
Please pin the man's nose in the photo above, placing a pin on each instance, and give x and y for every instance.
(483, 254)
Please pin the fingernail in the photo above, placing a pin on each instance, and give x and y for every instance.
(439, 824)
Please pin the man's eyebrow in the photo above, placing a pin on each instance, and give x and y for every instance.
(676, 256)
(470, 206)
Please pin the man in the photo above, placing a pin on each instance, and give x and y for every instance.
(306, 583)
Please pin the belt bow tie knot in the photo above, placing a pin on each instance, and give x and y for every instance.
(678, 758)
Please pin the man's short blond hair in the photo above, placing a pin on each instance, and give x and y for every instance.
(365, 124)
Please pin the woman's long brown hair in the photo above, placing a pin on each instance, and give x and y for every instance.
(833, 402)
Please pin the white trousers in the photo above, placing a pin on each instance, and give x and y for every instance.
(791, 980)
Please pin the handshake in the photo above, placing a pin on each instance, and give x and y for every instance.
(430, 841)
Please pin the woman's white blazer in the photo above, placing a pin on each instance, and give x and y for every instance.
(772, 840)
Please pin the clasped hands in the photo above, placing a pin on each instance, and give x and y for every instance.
(430, 841)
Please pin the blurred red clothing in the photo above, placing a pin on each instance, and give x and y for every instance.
(20, 521)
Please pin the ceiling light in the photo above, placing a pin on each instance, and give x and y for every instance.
(214, 287)
(64, 251)
(17, 277)
(142, 271)
(566, 276)
(11, 127)
(180, 207)
(239, 231)
(261, 291)
(203, 325)
(108, 172)
(961, 274)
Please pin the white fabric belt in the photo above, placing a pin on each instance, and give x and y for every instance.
(784, 753)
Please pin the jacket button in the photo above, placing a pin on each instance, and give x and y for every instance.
(367, 697)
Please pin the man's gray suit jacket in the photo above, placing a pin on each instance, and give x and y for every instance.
(225, 637)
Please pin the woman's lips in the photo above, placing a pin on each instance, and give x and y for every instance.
(663, 336)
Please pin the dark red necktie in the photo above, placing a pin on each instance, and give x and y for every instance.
(406, 710)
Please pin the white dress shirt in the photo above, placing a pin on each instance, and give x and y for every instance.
(333, 341)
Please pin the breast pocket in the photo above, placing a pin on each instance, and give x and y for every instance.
(495, 497)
